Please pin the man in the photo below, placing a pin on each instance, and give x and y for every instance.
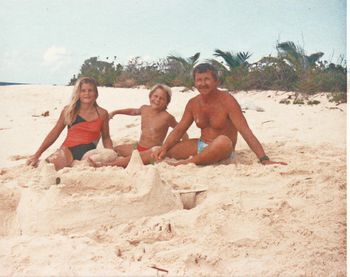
(219, 116)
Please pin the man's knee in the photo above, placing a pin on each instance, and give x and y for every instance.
(173, 153)
(224, 142)
(183, 150)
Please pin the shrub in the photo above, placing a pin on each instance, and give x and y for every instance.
(313, 102)
(291, 70)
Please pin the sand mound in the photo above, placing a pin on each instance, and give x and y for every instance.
(84, 199)
(241, 219)
(101, 155)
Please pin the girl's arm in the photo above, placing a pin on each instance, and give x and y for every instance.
(49, 139)
(106, 138)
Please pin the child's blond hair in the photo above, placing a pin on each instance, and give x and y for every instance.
(163, 87)
(72, 109)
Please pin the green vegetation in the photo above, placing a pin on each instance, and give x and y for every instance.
(235, 70)
(104, 73)
(313, 102)
(298, 102)
(285, 101)
(182, 69)
(291, 70)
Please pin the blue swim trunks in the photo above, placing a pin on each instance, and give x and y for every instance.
(201, 145)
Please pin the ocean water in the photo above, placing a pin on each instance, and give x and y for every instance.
(12, 84)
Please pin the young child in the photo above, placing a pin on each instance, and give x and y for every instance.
(155, 122)
(86, 122)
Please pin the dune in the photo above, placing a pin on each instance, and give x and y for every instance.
(237, 219)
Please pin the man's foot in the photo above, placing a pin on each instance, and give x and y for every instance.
(183, 162)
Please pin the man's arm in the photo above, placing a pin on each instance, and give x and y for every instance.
(241, 124)
(176, 134)
(173, 123)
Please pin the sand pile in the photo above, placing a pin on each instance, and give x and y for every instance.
(79, 199)
(241, 218)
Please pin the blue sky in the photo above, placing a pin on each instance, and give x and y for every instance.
(46, 42)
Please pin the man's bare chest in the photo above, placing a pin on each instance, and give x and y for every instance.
(210, 116)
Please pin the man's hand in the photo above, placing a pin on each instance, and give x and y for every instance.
(269, 162)
(159, 154)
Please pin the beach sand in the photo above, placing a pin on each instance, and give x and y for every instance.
(240, 219)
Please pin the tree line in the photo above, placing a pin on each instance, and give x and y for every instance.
(290, 70)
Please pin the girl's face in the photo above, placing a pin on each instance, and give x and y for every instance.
(158, 99)
(87, 94)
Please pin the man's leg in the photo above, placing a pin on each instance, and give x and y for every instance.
(218, 150)
(183, 150)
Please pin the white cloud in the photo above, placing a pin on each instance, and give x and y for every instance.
(55, 57)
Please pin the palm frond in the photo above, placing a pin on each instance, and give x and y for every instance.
(292, 54)
(179, 59)
(218, 65)
(313, 58)
(230, 59)
(243, 56)
(287, 46)
(193, 59)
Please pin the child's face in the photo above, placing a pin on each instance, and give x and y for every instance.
(158, 99)
(87, 93)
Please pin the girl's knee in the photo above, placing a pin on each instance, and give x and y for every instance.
(61, 158)
(56, 161)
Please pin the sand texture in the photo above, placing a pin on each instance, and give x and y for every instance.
(239, 219)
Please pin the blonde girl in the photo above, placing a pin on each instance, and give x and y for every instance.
(86, 123)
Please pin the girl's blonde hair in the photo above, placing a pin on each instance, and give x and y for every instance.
(163, 87)
(72, 109)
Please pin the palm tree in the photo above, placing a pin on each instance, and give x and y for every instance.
(186, 64)
(232, 60)
(301, 64)
(296, 57)
(233, 71)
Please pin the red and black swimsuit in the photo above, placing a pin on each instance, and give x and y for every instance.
(83, 136)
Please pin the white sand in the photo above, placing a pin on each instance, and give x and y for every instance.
(250, 220)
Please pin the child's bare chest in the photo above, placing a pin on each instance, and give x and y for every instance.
(154, 121)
